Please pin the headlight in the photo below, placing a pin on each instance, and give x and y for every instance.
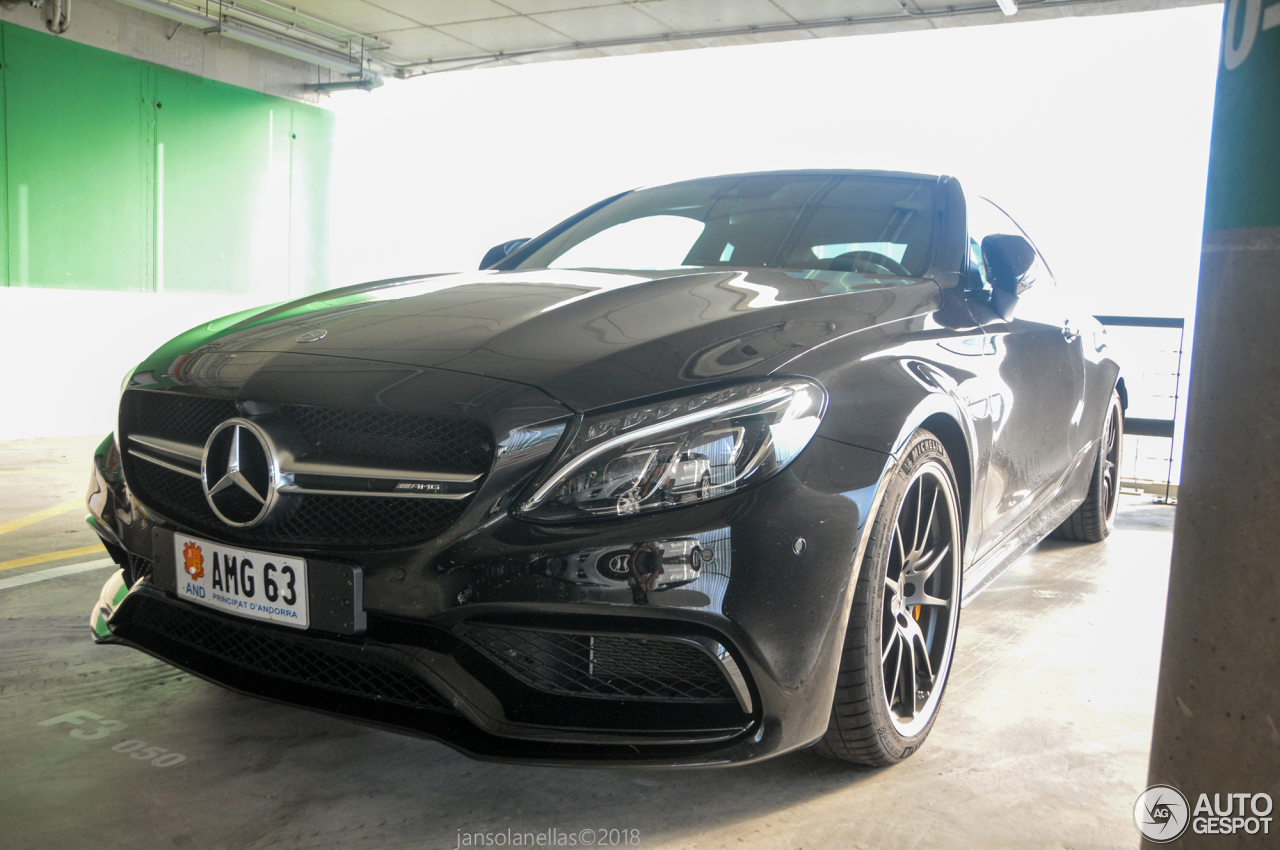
(677, 451)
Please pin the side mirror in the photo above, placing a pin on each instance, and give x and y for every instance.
(1008, 261)
(498, 253)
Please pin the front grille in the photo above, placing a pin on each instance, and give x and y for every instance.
(446, 445)
(337, 521)
(601, 665)
(313, 520)
(322, 663)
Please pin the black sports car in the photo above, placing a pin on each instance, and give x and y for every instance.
(699, 476)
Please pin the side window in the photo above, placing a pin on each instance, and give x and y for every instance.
(986, 219)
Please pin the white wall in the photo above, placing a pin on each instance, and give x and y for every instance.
(1093, 132)
(65, 352)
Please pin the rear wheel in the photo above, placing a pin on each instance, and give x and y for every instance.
(906, 606)
(1095, 518)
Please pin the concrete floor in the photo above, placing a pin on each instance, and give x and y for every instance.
(1042, 740)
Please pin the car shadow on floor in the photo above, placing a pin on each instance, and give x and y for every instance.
(296, 767)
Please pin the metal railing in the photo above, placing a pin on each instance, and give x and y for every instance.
(1144, 427)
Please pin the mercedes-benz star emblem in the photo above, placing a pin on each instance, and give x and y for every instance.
(312, 336)
(615, 565)
(239, 473)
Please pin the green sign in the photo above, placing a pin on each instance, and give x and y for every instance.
(1244, 158)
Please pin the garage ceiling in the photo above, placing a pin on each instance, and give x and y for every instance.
(411, 37)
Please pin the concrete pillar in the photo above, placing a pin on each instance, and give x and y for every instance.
(1217, 725)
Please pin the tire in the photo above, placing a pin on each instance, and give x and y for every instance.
(1093, 520)
(871, 722)
(704, 488)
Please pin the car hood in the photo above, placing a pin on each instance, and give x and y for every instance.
(587, 338)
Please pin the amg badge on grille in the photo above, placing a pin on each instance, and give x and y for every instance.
(419, 487)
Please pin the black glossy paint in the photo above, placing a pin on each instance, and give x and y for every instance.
(1019, 405)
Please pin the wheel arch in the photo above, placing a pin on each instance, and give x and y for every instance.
(952, 437)
(940, 413)
(877, 403)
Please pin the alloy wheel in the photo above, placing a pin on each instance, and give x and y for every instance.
(1110, 464)
(921, 600)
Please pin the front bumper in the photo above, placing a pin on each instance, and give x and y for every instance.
(472, 645)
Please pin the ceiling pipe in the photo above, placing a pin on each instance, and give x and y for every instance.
(59, 17)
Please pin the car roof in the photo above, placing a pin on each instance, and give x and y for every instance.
(804, 172)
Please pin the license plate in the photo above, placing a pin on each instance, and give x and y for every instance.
(257, 585)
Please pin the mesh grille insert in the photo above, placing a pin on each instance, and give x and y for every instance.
(324, 664)
(602, 665)
(186, 418)
(445, 445)
(137, 569)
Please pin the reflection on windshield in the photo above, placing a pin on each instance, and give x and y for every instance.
(892, 250)
(650, 243)
(869, 225)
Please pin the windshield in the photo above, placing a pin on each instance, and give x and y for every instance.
(821, 222)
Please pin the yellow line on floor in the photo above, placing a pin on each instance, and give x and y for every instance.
(32, 519)
(51, 556)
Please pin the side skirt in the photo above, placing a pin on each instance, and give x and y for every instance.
(1036, 528)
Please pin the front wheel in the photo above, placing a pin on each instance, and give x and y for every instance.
(1093, 520)
(906, 606)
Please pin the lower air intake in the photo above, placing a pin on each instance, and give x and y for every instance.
(325, 664)
(137, 568)
(619, 667)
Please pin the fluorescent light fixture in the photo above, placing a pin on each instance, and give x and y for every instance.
(364, 84)
(276, 44)
(172, 12)
(1009, 7)
(287, 48)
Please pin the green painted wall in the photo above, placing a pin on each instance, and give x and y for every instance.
(117, 174)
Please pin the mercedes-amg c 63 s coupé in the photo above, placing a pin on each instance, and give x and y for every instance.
(699, 476)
